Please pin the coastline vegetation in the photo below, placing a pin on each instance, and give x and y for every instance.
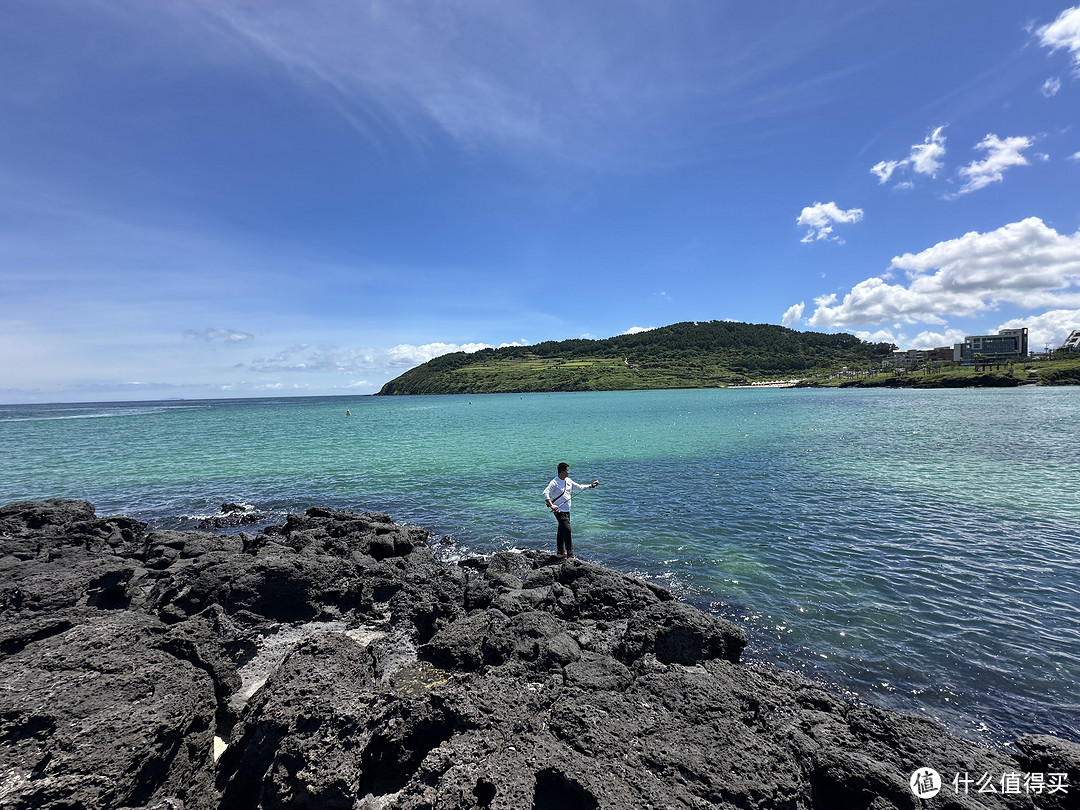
(683, 355)
(1057, 370)
(710, 355)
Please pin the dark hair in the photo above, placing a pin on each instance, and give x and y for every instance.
(563, 466)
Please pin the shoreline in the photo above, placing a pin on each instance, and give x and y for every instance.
(509, 681)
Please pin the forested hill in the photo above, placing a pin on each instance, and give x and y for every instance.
(683, 355)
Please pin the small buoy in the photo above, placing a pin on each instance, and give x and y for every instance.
(348, 413)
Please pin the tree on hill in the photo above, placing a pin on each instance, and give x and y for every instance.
(682, 355)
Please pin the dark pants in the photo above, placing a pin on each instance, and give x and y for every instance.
(562, 538)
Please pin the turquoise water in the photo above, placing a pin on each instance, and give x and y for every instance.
(917, 550)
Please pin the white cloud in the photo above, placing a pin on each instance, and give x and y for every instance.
(227, 335)
(819, 219)
(1049, 329)
(1075, 156)
(934, 340)
(793, 315)
(884, 169)
(1051, 87)
(633, 330)
(1063, 33)
(924, 158)
(406, 354)
(1001, 155)
(305, 358)
(923, 340)
(881, 336)
(581, 86)
(280, 387)
(1027, 264)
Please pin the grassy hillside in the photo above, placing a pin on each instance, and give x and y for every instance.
(683, 355)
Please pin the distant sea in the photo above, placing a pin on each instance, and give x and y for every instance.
(916, 550)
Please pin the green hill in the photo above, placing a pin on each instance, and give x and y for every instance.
(683, 355)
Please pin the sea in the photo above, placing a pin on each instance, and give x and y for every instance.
(914, 550)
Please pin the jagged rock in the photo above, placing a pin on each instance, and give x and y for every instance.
(1058, 761)
(337, 664)
(96, 714)
(678, 634)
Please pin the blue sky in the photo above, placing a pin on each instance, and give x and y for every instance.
(209, 198)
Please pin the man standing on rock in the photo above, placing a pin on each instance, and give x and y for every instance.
(557, 498)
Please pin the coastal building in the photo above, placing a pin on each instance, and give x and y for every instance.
(911, 358)
(916, 358)
(1072, 342)
(1007, 344)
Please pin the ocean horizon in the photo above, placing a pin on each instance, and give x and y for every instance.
(915, 550)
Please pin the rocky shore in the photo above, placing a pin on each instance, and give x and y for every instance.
(333, 662)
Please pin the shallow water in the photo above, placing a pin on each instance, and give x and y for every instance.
(916, 549)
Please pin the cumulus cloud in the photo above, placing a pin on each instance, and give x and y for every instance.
(1002, 154)
(793, 315)
(1049, 329)
(1051, 87)
(881, 336)
(1075, 156)
(405, 354)
(923, 340)
(933, 340)
(226, 335)
(633, 330)
(819, 219)
(924, 158)
(1027, 264)
(1063, 34)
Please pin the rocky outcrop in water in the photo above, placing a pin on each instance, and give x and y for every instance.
(333, 662)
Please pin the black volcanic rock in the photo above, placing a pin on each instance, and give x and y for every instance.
(333, 662)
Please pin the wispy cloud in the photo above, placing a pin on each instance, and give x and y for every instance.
(226, 335)
(924, 158)
(1027, 264)
(1063, 34)
(1051, 87)
(820, 218)
(607, 85)
(1002, 154)
(306, 358)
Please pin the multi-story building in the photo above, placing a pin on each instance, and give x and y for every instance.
(1008, 344)
(1072, 342)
